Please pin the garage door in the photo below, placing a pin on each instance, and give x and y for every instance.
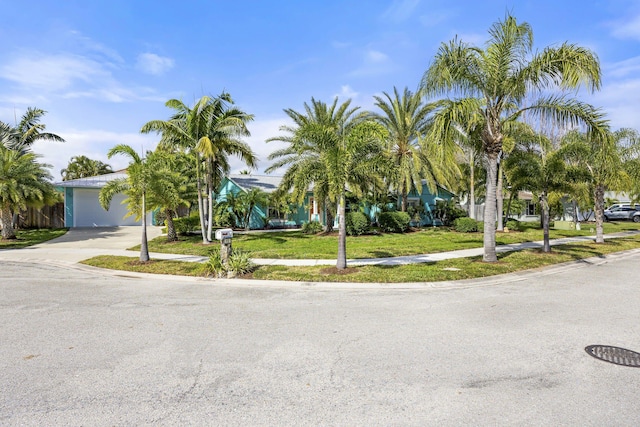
(87, 211)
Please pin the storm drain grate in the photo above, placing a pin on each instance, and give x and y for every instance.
(615, 355)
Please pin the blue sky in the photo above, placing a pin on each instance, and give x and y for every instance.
(102, 69)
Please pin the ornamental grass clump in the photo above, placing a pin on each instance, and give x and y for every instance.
(238, 263)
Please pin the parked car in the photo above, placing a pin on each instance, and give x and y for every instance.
(622, 212)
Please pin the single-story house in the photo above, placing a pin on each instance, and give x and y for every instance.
(312, 209)
(82, 208)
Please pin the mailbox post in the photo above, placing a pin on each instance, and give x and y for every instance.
(225, 235)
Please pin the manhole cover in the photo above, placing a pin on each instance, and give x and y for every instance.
(615, 355)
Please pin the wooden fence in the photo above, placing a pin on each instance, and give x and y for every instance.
(46, 217)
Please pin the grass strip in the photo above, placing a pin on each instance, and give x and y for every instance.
(31, 237)
(454, 269)
(296, 245)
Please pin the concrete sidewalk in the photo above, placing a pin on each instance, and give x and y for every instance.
(83, 243)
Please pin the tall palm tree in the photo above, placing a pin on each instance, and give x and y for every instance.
(601, 158)
(494, 83)
(23, 182)
(406, 119)
(135, 186)
(331, 147)
(82, 167)
(212, 129)
(29, 130)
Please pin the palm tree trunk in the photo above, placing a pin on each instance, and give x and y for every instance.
(500, 199)
(144, 248)
(511, 196)
(599, 208)
(405, 199)
(329, 214)
(544, 208)
(203, 228)
(489, 238)
(472, 187)
(209, 214)
(172, 236)
(6, 220)
(342, 235)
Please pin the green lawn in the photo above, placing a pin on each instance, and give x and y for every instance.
(31, 237)
(295, 245)
(454, 269)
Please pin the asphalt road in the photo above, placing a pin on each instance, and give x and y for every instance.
(83, 348)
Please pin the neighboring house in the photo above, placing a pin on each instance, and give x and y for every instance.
(262, 216)
(311, 209)
(82, 208)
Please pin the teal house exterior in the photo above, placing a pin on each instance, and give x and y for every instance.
(312, 209)
(265, 216)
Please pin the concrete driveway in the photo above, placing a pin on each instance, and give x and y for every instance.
(82, 243)
(82, 348)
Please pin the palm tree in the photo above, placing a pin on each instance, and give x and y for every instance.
(23, 182)
(29, 130)
(406, 119)
(539, 168)
(331, 147)
(250, 199)
(212, 129)
(495, 82)
(82, 167)
(601, 158)
(135, 186)
(170, 186)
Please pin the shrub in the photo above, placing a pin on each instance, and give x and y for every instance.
(313, 227)
(238, 263)
(394, 222)
(187, 224)
(215, 266)
(465, 225)
(357, 223)
(447, 212)
(514, 225)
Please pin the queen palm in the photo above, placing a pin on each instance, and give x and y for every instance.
(212, 129)
(601, 158)
(23, 182)
(539, 167)
(494, 83)
(406, 119)
(331, 147)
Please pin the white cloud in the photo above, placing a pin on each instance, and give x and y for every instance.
(151, 63)
(40, 76)
(376, 56)
(261, 130)
(400, 10)
(374, 62)
(629, 29)
(92, 143)
(346, 92)
(51, 72)
(624, 68)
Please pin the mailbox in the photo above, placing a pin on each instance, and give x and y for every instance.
(224, 233)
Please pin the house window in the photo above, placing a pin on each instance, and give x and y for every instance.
(530, 208)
